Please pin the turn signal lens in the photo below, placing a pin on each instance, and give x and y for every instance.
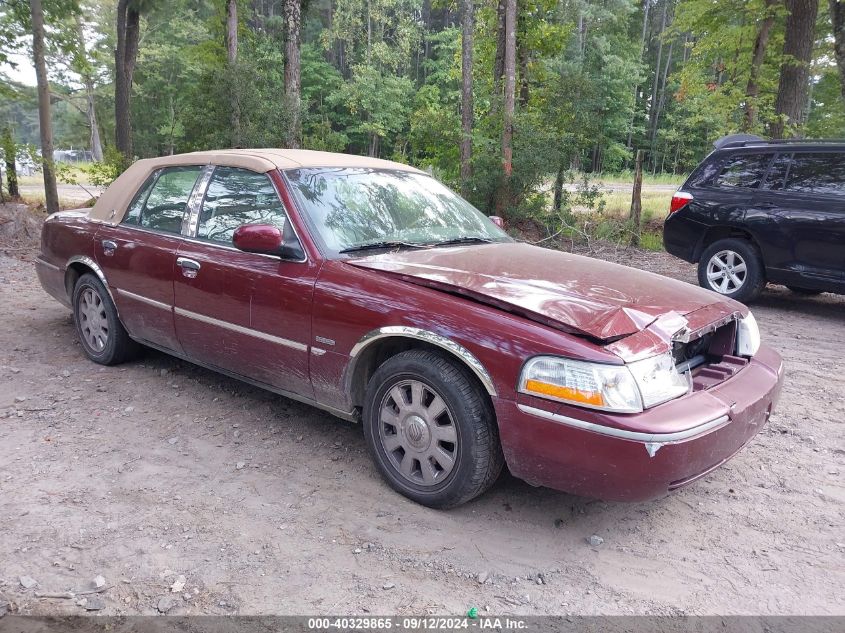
(679, 201)
(592, 398)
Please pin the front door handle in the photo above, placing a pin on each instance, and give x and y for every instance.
(189, 267)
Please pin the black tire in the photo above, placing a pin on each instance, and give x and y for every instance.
(804, 291)
(755, 273)
(116, 345)
(477, 454)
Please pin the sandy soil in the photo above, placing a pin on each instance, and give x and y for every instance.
(189, 492)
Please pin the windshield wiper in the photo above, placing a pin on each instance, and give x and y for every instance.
(462, 240)
(377, 245)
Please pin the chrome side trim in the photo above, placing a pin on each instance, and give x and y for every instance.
(90, 263)
(46, 264)
(240, 329)
(142, 299)
(402, 331)
(636, 436)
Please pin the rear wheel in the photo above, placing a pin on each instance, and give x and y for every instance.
(103, 337)
(733, 268)
(431, 430)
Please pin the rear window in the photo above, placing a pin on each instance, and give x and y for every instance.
(736, 170)
(822, 173)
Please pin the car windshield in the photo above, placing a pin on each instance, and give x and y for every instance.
(360, 210)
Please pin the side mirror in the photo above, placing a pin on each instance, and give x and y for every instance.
(258, 238)
(495, 219)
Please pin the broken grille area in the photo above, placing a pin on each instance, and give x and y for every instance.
(710, 358)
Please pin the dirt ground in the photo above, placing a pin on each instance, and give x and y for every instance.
(189, 492)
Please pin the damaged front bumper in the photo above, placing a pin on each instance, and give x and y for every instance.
(632, 457)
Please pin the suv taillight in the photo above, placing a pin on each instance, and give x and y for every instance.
(679, 201)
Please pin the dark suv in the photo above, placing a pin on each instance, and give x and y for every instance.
(760, 211)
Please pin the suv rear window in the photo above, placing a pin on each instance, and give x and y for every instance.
(822, 174)
(736, 170)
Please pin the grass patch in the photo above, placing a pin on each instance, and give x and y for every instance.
(655, 204)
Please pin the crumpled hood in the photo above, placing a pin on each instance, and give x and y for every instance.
(579, 294)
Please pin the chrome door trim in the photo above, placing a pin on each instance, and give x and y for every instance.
(403, 331)
(636, 436)
(240, 329)
(142, 299)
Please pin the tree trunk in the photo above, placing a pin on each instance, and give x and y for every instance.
(557, 200)
(499, 59)
(636, 199)
(10, 154)
(661, 100)
(522, 57)
(752, 89)
(232, 57)
(795, 71)
(646, 6)
(653, 105)
(90, 111)
(837, 17)
(466, 95)
(96, 144)
(51, 194)
(505, 198)
(125, 54)
(293, 80)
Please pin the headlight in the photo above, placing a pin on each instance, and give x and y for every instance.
(747, 336)
(621, 388)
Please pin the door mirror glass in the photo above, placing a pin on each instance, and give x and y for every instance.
(495, 219)
(259, 238)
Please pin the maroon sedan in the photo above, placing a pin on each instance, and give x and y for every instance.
(366, 288)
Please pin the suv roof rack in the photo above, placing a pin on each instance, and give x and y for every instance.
(744, 140)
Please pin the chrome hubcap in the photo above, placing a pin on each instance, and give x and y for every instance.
(726, 272)
(93, 322)
(417, 432)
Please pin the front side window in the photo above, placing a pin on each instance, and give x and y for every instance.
(743, 170)
(349, 208)
(778, 172)
(160, 204)
(236, 197)
(821, 174)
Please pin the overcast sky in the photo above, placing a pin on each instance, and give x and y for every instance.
(24, 73)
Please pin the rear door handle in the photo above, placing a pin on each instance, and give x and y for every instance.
(189, 267)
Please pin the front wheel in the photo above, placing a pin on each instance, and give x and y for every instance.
(103, 337)
(431, 430)
(733, 268)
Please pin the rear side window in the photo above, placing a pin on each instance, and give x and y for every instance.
(822, 174)
(161, 203)
(736, 170)
(743, 170)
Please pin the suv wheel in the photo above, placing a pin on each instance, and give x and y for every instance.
(430, 430)
(733, 268)
(103, 337)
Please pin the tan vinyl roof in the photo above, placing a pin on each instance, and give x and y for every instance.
(111, 205)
